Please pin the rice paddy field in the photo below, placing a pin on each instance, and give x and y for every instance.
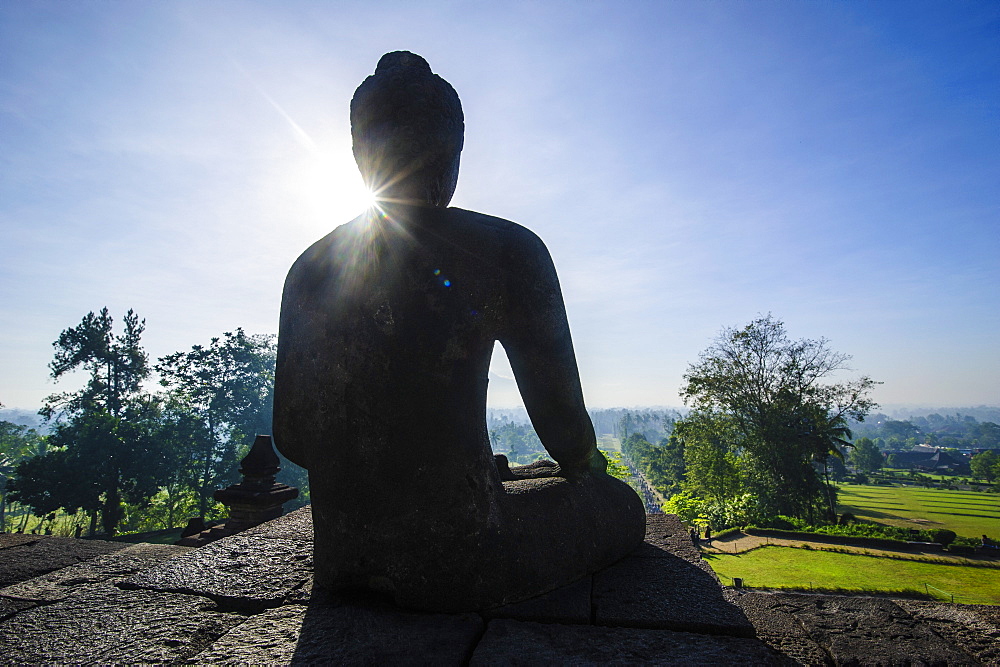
(804, 569)
(968, 513)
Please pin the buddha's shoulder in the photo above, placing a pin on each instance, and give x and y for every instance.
(324, 254)
(510, 232)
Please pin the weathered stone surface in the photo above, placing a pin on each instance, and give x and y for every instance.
(569, 604)
(8, 540)
(297, 525)
(108, 625)
(238, 572)
(347, 635)
(868, 631)
(509, 642)
(25, 559)
(67, 581)
(778, 628)
(665, 592)
(666, 536)
(10, 607)
(973, 628)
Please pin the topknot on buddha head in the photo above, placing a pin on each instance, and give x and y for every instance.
(408, 130)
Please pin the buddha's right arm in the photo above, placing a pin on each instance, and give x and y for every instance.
(537, 340)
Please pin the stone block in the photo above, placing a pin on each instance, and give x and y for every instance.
(868, 631)
(240, 572)
(27, 557)
(778, 628)
(10, 607)
(666, 536)
(569, 604)
(106, 625)
(347, 634)
(70, 580)
(973, 628)
(665, 592)
(8, 540)
(297, 525)
(509, 642)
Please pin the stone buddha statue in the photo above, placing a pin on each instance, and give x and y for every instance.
(387, 329)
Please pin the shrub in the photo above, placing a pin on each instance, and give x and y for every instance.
(943, 537)
(963, 549)
(847, 518)
(781, 523)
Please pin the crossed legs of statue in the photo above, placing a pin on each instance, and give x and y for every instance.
(543, 531)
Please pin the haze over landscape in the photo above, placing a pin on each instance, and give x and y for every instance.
(690, 165)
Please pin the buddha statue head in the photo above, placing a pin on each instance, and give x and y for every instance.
(408, 130)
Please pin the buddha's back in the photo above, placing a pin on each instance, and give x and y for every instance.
(387, 329)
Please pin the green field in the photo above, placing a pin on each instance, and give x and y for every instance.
(968, 513)
(788, 567)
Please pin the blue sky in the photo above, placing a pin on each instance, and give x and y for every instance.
(689, 164)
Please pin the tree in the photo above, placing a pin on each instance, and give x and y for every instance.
(227, 386)
(985, 465)
(779, 413)
(711, 456)
(988, 434)
(98, 462)
(17, 443)
(105, 454)
(866, 457)
(117, 364)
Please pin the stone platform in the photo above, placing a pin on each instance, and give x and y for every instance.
(249, 598)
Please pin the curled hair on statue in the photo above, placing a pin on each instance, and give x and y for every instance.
(408, 129)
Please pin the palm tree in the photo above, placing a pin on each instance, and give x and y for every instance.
(826, 435)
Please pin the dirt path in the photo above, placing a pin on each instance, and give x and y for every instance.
(737, 543)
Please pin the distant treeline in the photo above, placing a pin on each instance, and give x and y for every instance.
(618, 422)
(958, 430)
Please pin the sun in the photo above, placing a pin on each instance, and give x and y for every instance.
(369, 199)
(328, 189)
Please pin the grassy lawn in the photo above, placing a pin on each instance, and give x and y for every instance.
(787, 567)
(967, 513)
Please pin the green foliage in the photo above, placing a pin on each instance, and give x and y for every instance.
(961, 549)
(662, 464)
(763, 417)
(518, 442)
(221, 398)
(986, 465)
(17, 443)
(117, 364)
(106, 453)
(866, 457)
(943, 536)
(710, 443)
(741, 510)
(650, 424)
(616, 467)
(956, 430)
(140, 460)
(687, 507)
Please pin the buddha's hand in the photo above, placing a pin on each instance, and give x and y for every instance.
(593, 464)
(598, 463)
